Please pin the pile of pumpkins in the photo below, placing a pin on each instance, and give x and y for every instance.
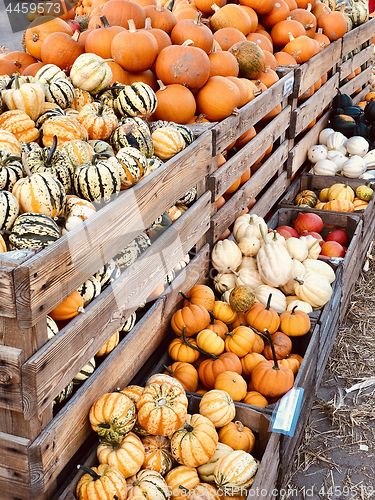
(150, 447)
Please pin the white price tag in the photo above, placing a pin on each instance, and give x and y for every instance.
(284, 419)
(288, 85)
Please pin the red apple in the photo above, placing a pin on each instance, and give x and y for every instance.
(317, 236)
(338, 235)
(75, 26)
(308, 222)
(332, 249)
(283, 229)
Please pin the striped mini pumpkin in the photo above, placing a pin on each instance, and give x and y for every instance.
(52, 328)
(133, 164)
(40, 193)
(167, 142)
(89, 290)
(188, 198)
(49, 73)
(98, 119)
(137, 100)
(60, 92)
(135, 133)
(90, 72)
(65, 128)
(129, 323)
(97, 181)
(108, 273)
(77, 151)
(110, 94)
(10, 170)
(9, 144)
(33, 231)
(153, 163)
(185, 130)
(46, 115)
(109, 345)
(20, 125)
(28, 97)
(101, 147)
(81, 98)
(128, 255)
(9, 210)
(64, 394)
(85, 372)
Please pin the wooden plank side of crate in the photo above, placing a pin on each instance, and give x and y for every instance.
(232, 169)
(311, 108)
(350, 268)
(298, 154)
(14, 468)
(70, 428)
(226, 215)
(266, 477)
(308, 73)
(356, 82)
(270, 198)
(358, 36)
(11, 360)
(326, 344)
(356, 61)
(7, 302)
(361, 96)
(50, 276)
(227, 131)
(52, 367)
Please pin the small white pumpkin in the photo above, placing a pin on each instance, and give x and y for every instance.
(324, 134)
(226, 256)
(247, 225)
(336, 141)
(354, 167)
(249, 245)
(274, 264)
(357, 145)
(226, 295)
(300, 305)
(297, 249)
(317, 153)
(342, 150)
(313, 246)
(90, 72)
(325, 167)
(224, 282)
(273, 236)
(248, 277)
(248, 263)
(278, 300)
(313, 288)
(337, 158)
(318, 266)
(297, 270)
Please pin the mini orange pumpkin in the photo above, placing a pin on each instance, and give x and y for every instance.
(194, 318)
(262, 316)
(68, 308)
(200, 295)
(185, 373)
(282, 346)
(240, 340)
(255, 398)
(232, 383)
(294, 323)
(210, 368)
(237, 436)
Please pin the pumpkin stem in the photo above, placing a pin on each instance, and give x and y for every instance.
(235, 112)
(320, 31)
(275, 366)
(239, 425)
(188, 427)
(215, 7)
(98, 155)
(76, 35)
(132, 27)
(294, 309)
(308, 8)
(52, 150)
(264, 337)
(198, 18)
(342, 9)
(261, 233)
(115, 497)
(268, 302)
(161, 85)
(308, 26)
(148, 25)
(187, 43)
(184, 296)
(200, 118)
(100, 108)
(92, 473)
(291, 37)
(212, 322)
(81, 309)
(275, 234)
(299, 280)
(159, 6)
(183, 488)
(25, 165)
(104, 21)
(170, 372)
(16, 80)
(104, 426)
(201, 351)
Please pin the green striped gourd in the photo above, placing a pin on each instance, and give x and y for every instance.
(49, 73)
(49, 113)
(161, 224)
(89, 290)
(10, 170)
(356, 10)
(128, 255)
(90, 72)
(167, 142)
(26, 147)
(129, 323)
(153, 163)
(135, 133)
(188, 198)
(137, 100)
(108, 273)
(9, 210)
(133, 164)
(52, 161)
(52, 328)
(33, 231)
(85, 372)
(77, 151)
(101, 147)
(60, 92)
(64, 394)
(98, 181)
(110, 94)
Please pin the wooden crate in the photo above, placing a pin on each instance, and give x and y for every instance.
(358, 36)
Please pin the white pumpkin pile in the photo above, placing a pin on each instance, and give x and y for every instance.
(268, 263)
(337, 155)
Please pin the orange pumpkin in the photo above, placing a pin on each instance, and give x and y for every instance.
(339, 206)
(291, 363)
(176, 103)
(294, 323)
(281, 344)
(231, 16)
(161, 37)
(279, 12)
(68, 308)
(193, 319)
(62, 50)
(99, 40)
(301, 48)
(306, 18)
(20, 59)
(193, 30)
(217, 326)
(255, 398)
(334, 25)
(260, 6)
(237, 436)
(226, 37)
(119, 12)
(182, 350)
(232, 383)
(261, 316)
(210, 368)
(109, 345)
(280, 32)
(249, 362)
(200, 294)
(218, 98)
(40, 29)
(185, 373)
(161, 17)
(223, 63)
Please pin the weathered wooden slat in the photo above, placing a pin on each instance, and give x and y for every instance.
(70, 428)
(7, 302)
(231, 128)
(356, 82)
(226, 215)
(11, 360)
(310, 109)
(356, 61)
(308, 73)
(361, 96)
(358, 36)
(14, 468)
(223, 178)
(270, 198)
(50, 276)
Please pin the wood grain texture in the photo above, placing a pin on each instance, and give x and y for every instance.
(59, 269)
(14, 468)
(8, 302)
(227, 214)
(56, 363)
(231, 128)
(361, 96)
(308, 73)
(310, 109)
(17, 257)
(11, 360)
(58, 442)
(68, 493)
(224, 177)
(356, 61)
(358, 36)
(266, 476)
(298, 154)
(356, 82)
(271, 197)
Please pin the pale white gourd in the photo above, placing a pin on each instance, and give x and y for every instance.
(312, 246)
(224, 282)
(369, 175)
(318, 266)
(325, 167)
(324, 134)
(313, 288)
(273, 236)
(337, 158)
(357, 145)
(248, 263)
(300, 305)
(342, 150)
(297, 270)
(249, 245)
(369, 158)
(336, 141)
(274, 264)
(317, 153)
(226, 256)
(225, 296)
(297, 249)
(290, 298)
(247, 225)
(278, 299)
(248, 277)
(354, 167)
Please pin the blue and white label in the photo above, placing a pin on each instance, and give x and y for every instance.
(284, 418)
(288, 85)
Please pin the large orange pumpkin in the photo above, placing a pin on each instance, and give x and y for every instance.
(99, 40)
(68, 308)
(176, 103)
(226, 37)
(218, 98)
(260, 6)
(210, 368)
(193, 30)
(118, 13)
(62, 50)
(334, 25)
(40, 29)
(20, 59)
(161, 17)
(279, 12)
(162, 38)
(231, 16)
(223, 63)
